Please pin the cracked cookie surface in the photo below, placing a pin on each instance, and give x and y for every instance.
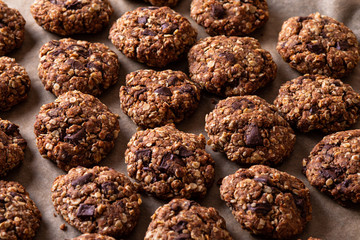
(93, 236)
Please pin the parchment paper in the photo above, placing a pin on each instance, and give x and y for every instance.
(330, 220)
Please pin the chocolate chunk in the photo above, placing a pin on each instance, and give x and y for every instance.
(328, 173)
(74, 5)
(139, 92)
(301, 19)
(170, 162)
(217, 11)
(15, 194)
(76, 65)
(109, 188)
(188, 89)
(183, 152)
(344, 185)
(11, 128)
(228, 56)
(85, 211)
(261, 208)
(300, 204)
(242, 104)
(183, 236)
(82, 180)
(54, 43)
(148, 32)
(253, 136)
(76, 137)
(109, 137)
(313, 109)
(57, 52)
(2, 219)
(342, 45)
(169, 27)
(326, 147)
(94, 65)
(144, 154)
(142, 20)
(172, 80)
(80, 50)
(315, 48)
(164, 91)
(179, 226)
(263, 179)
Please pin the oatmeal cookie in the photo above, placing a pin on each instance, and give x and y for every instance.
(152, 35)
(67, 17)
(69, 64)
(230, 17)
(155, 98)
(93, 236)
(229, 66)
(75, 130)
(249, 131)
(333, 166)
(169, 163)
(267, 202)
(186, 219)
(318, 44)
(315, 102)
(97, 200)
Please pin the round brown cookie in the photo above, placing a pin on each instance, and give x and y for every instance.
(14, 83)
(93, 236)
(12, 29)
(19, 216)
(160, 3)
(318, 44)
(152, 35)
(75, 130)
(69, 64)
(230, 66)
(267, 202)
(169, 163)
(249, 131)
(230, 17)
(315, 102)
(12, 147)
(333, 166)
(67, 17)
(186, 219)
(97, 200)
(155, 98)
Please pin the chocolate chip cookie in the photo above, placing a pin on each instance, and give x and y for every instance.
(249, 131)
(229, 66)
(333, 166)
(93, 236)
(14, 83)
(160, 3)
(67, 17)
(315, 102)
(186, 219)
(12, 29)
(318, 44)
(230, 17)
(97, 200)
(152, 35)
(69, 64)
(155, 98)
(12, 146)
(267, 202)
(75, 130)
(169, 163)
(19, 216)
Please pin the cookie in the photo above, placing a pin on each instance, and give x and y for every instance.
(19, 216)
(68, 17)
(249, 131)
(160, 3)
(12, 27)
(12, 146)
(315, 102)
(152, 35)
(267, 202)
(75, 130)
(318, 44)
(97, 200)
(93, 236)
(69, 64)
(154, 98)
(14, 83)
(229, 17)
(333, 166)
(169, 163)
(229, 66)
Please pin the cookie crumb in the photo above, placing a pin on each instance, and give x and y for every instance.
(63, 227)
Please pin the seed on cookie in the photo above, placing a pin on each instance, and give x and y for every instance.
(267, 202)
(229, 66)
(318, 44)
(75, 130)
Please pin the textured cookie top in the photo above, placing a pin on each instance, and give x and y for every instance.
(67, 17)
(97, 200)
(267, 202)
(186, 219)
(169, 163)
(230, 17)
(154, 98)
(333, 166)
(318, 44)
(230, 66)
(312, 102)
(69, 64)
(75, 130)
(93, 236)
(152, 35)
(19, 216)
(249, 131)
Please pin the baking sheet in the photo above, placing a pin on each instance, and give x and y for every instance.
(330, 220)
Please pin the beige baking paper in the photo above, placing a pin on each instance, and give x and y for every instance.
(330, 220)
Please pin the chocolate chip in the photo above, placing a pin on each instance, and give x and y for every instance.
(326, 147)
(300, 204)
(179, 226)
(2, 219)
(263, 179)
(142, 20)
(301, 19)
(344, 185)
(261, 208)
(74, 5)
(313, 109)
(109, 188)
(76, 65)
(143, 154)
(169, 27)
(315, 48)
(148, 32)
(164, 91)
(11, 128)
(76, 137)
(253, 136)
(57, 52)
(217, 11)
(183, 152)
(188, 89)
(228, 56)
(242, 104)
(94, 65)
(170, 162)
(82, 180)
(139, 92)
(85, 211)
(342, 45)
(183, 236)
(328, 173)
(171, 81)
